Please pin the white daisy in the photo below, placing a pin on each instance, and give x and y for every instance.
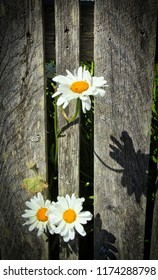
(78, 85)
(37, 214)
(67, 215)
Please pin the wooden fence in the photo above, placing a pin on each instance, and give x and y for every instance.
(121, 40)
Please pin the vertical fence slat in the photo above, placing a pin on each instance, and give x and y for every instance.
(22, 124)
(124, 50)
(67, 57)
(86, 30)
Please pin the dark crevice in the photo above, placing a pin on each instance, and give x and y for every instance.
(152, 177)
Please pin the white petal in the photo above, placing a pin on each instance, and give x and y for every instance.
(79, 73)
(83, 217)
(71, 234)
(64, 231)
(98, 81)
(56, 94)
(76, 203)
(66, 237)
(80, 229)
(64, 90)
(31, 220)
(86, 105)
(55, 219)
(33, 225)
(47, 203)
(40, 197)
(88, 77)
(82, 221)
(66, 103)
(70, 75)
(77, 207)
(51, 228)
(82, 97)
(85, 214)
(71, 201)
(72, 97)
(29, 214)
(84, 73)
(60, 227)
(39, 233)
(63, 202)
(32, 205)
(101, 92)
(41, 225)
(62, 80)
(68, 199)
(60, 101)
(40, 200)
(88, 92)
(69, 95)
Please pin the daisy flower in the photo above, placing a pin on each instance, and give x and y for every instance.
(37, 214)
(68, 217)
(78, 85)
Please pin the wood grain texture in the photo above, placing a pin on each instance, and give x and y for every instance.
(124, 51)
(67, 57)
(86, 31)
(22, 123)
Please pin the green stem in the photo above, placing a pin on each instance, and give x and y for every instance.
(76, 111)
(69, 120)
(56, 135)
(92, 68)
(64, 114)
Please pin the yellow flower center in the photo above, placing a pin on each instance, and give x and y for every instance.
(41, 215)
(79, 86)
(69, 216)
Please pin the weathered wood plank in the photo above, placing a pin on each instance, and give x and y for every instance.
(67, 57)
(124, 50)
(86, 31)
(22, 123)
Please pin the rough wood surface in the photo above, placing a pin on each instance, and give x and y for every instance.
(22, 123)
(67, 57)
(86, 31)
(124, 52)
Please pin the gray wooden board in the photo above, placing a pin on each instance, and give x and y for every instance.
(22, 124)
(86, 31)
(124, 51)
(67, 57)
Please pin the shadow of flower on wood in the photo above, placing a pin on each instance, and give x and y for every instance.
(67, 126)
(104, 242)
(135, 165)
